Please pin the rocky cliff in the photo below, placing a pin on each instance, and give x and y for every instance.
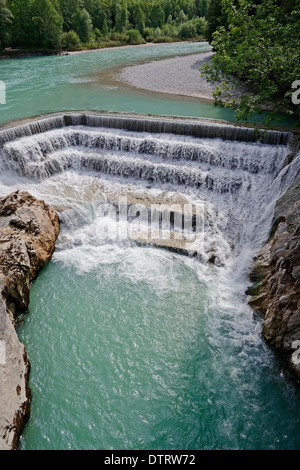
(28, 232)
(276, 277)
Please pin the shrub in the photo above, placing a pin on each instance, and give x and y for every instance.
(97, 33)
(121, 37)
(135, 37)
(70, 41)
(161, 39)
(187, 31)
(200, 25)
(148, 34)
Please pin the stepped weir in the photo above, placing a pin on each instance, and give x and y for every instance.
(203, 188)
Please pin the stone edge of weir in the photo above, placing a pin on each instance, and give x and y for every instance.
(27, 245)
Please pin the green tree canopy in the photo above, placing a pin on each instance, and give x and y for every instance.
(6, 21)
(82, 24)
(68, 8)
(259, 49)
(47, 24)
(157, 15)
(38, 24)
(121, 16)
(138, 17)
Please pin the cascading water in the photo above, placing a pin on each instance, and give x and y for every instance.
(147, 297)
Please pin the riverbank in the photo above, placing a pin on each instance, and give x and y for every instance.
(176, 76)
(10, 53)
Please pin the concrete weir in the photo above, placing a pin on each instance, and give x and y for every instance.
(234, 171)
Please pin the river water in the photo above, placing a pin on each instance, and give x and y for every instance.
(58, 83)
(133, 346)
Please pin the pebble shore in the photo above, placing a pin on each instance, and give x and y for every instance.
(178, 75)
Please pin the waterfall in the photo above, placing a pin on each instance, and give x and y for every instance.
(236, 173)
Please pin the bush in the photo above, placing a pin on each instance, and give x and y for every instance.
(135, 37)
(70, 41)
(148, 34)
(187, 31)
(121, 37)
(169, 30)
(97, 33)
(162, 39)
(200, 25)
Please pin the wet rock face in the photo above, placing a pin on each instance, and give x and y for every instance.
(28, 232)
(276, 292)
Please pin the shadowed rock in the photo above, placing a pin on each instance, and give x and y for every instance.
(276, 292)
(28, 232)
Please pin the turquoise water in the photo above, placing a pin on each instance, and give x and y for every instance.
(154, 351)
(135, 347)
(61, 83)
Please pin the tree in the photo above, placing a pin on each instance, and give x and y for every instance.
(47, 24)
(157, 15)
(101, 13)
(67, 8)
(70, 41)
(121, 17)
(215, 18)
(181, 17)
(260, 50)
(104, 28)
(187, 30)
(6, 20)
(201, 7)
(138, 17)
(82, 24)
(134, 37)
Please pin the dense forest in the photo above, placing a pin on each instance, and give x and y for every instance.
(77, 24)
(257, 57)
(256, 42)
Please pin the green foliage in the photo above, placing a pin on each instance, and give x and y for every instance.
(200, 25)
(148, 34)
(6, 20)
(47, 24)
(121, 16)
(44, 23)
(215, 18)
(138, 17)
(187, 30)
(157, 15)
(182, 18)
(259, 48)
(82, 24)
(70, 41)
(104, 28)
(135, 37)
(201, 7)
(67, 9)
(97, 33)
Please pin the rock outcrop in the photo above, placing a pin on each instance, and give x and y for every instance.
(276, 276)
(28, 232)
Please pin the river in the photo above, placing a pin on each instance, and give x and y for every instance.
(42, 85)
(133, 346)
